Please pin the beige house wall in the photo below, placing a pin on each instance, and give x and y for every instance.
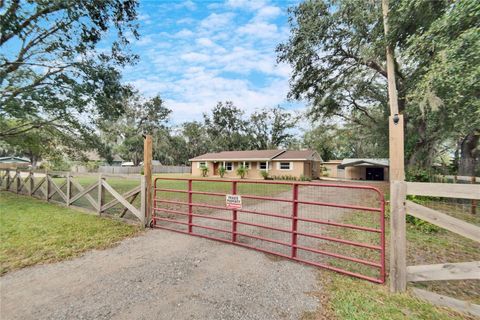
(332, 170)
(197, 172)
(298, 168)
(355, 173)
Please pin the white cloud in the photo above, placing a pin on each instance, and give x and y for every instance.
(260, 30)
(144, 40)
(195, 57)
(205, 42)
(246, 4)
(228, 55)
(184, 33)
(145, 18)
(214, 20)
(268, 12)
(190, 5)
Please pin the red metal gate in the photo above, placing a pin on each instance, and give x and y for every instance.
(334, 226)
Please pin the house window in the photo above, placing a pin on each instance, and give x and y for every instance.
(229, 166)
(202, 164)
(284, 166)
(262, 165)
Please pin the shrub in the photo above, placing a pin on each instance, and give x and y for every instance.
(305, 178)
(264, 174)
(417, 175)
(421, 225)
(242, 171)
(204, 170)
(221, 171)
(92, 166)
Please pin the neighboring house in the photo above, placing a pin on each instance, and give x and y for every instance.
(14, 162)
(275, 162)
(358, 169)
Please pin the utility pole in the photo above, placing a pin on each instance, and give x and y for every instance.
(398, 263)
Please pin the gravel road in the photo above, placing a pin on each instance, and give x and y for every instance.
(162, 275)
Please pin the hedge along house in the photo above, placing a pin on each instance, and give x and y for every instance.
(275, 162)
(363, 169)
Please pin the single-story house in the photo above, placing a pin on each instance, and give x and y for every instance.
(358, 169)
(14, 162)
(276, 162)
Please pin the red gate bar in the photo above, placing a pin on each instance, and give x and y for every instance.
(293, 217)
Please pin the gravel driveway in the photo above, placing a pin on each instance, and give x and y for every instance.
(162, 275)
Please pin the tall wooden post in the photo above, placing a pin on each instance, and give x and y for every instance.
(7, 182)
(398, 238)
(398, 191)
(101, 194)
(69, 190)
(17, 184)
(47, 186)
(147, 171)
(31, 183)
(474, 201)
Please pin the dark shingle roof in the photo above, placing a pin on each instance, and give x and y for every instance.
(259, 155)
(298, 155)
(239, 155)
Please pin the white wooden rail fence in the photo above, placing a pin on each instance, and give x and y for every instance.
(400, 273)
(48, 188)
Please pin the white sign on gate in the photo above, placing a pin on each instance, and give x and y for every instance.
(233, 201)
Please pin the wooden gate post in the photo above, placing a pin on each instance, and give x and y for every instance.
(17, 184)
(31, 183)
(474, 201)
(397, 172)
(7, 182)
(69, 190)
(398, 239)
(147, 172)
(47, 186)
(101, 194)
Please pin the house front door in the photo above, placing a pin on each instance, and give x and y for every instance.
(215, 168)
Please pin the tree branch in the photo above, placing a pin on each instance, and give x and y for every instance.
(47, 10)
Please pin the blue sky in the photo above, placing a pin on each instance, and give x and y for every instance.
(195, 53)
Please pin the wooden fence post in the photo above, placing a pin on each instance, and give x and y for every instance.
(47, 186)
(17, 184)
(143, 198)
(101, 194)
(69, 190)
(31, 183)
(474, 201)
(7, 185)
(147, 172)
(398, 239)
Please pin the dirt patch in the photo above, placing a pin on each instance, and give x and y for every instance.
(162, 275)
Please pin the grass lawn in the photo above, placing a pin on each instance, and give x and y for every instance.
(350, 298)
(33, 231)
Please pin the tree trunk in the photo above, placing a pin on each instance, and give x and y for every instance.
(469, 154)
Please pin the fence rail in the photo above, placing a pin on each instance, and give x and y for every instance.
(400, 273)
(67, 189)
(138, 169)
